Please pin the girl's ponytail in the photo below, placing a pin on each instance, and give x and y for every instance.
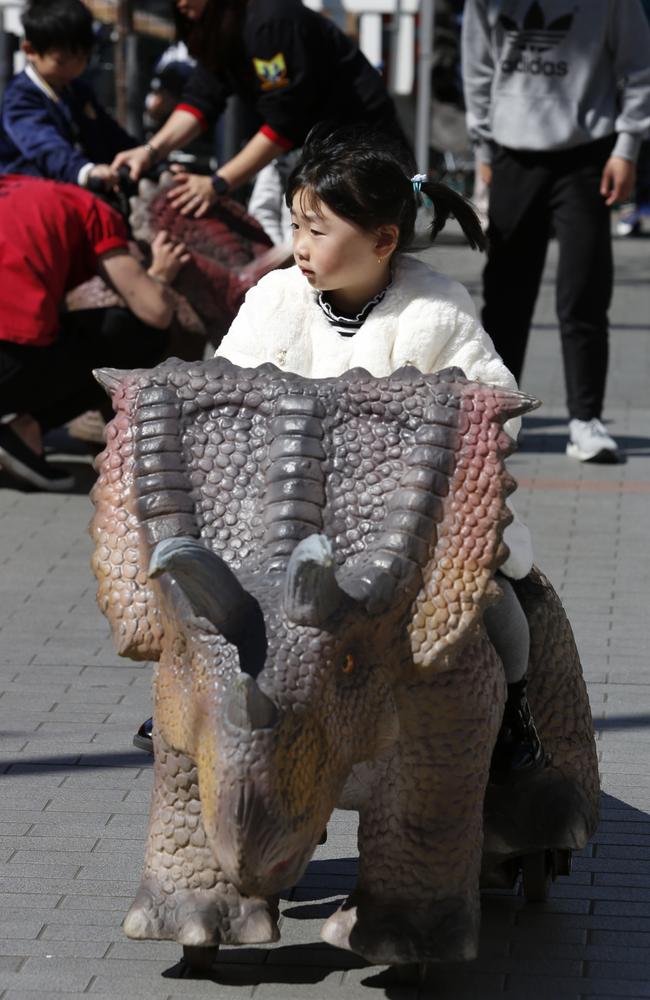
(448, 202)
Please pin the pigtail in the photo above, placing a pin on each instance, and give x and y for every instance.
(448, 202)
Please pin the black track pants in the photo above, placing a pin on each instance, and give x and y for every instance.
(55, 383)
(530, 193)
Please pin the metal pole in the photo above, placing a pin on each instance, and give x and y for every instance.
(123, 28)
(393, 35)
(423, 100)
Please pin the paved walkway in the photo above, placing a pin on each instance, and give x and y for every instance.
(75, 794)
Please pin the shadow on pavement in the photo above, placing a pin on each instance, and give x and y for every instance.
(65, 761)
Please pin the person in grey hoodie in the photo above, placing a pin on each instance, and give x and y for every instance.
(558, 101)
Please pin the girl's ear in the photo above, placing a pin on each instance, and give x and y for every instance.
(386, 240)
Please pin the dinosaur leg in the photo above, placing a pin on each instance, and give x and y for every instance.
(420, 835)
(183, 895)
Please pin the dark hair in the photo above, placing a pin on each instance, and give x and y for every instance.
(216, 39)
(58, 24)
(365, 177)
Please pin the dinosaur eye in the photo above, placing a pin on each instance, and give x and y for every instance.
(349, 663)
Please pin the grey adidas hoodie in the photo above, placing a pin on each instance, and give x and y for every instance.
(554, 74)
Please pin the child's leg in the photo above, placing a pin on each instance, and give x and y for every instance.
(518, 748)
(507, 627)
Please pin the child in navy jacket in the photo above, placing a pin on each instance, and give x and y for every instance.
(51, 123)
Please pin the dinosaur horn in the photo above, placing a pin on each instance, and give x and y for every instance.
(393, 569)
(208, 583)
(247, 707)
(311, 591)
(110, 379)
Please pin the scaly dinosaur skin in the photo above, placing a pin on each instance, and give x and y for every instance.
(321, 555)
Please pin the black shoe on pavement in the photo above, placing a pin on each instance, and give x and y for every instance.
(518, 750)
(143, 739)
(24, 464)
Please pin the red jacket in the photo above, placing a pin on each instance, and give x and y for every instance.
(52, 236)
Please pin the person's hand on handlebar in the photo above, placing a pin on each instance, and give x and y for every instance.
(105, 175)
(193, 194)
(138, 160)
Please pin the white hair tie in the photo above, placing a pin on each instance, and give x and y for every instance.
(417, 181)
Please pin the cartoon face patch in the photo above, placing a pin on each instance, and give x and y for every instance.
(272, 73)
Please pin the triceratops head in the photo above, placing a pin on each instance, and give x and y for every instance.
(291, 679)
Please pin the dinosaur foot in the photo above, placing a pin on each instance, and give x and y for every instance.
(199, 918)
(443, 930)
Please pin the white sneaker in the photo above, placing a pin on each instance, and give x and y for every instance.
(629, 223)
(590, 442)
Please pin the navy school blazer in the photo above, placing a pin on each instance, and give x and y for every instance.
(46, 138)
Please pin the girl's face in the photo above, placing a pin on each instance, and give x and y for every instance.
(337, 255)
(191, 9)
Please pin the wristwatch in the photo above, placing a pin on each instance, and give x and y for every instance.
(220, 184)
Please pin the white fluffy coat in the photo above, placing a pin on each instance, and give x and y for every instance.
(425, 319)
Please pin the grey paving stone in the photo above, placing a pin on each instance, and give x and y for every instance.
(612, 866)
(58, 824)
(77, 948)
(616, 851)
(96, 903)
(34, 868)
(47, 982)
(110, 778)
(11, 902)
(48, 845)
(69, 799)
(633, 969)
(9, 964)
(21, 994)
(628, 908)
(103, 927)
(79, 886)
(19, 927)
(111, 867)
(551, 988)
(144, 950)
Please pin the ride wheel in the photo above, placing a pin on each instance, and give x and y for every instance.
(562, 858)
(537, 875)
(199, 961)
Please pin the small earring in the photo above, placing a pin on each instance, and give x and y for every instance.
(380, 260)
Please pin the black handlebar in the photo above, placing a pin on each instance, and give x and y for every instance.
(126, 185)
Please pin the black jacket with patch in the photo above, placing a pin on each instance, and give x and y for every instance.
(299, 69)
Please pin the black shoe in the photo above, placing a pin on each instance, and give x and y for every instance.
(24, 464)
(518, 750)
(142, 739)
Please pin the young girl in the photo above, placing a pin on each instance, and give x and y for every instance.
(354, 299)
